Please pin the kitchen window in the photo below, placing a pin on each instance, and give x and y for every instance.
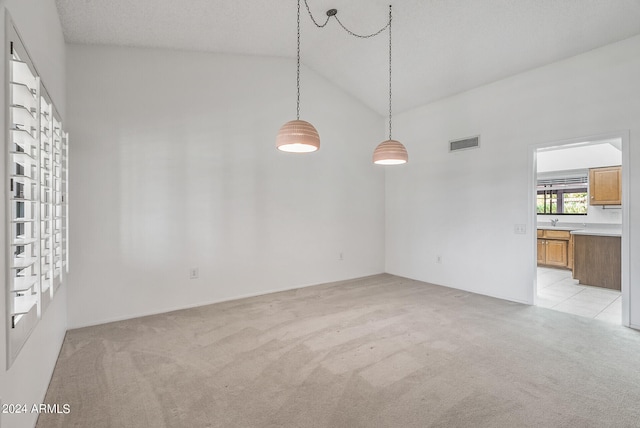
(567, 195)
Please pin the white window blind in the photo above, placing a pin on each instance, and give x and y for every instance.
(36, 202)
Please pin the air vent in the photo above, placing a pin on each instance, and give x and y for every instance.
(464, 144)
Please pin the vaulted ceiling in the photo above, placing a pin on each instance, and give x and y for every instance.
(440, 47)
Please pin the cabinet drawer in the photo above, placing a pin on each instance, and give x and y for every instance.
(557, 234)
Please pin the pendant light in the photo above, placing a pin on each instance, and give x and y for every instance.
(298, 136)
(390, 152)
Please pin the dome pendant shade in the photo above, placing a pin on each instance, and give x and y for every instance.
(390, 152)
(298, 136)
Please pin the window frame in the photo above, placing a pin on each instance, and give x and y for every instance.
(560, 192)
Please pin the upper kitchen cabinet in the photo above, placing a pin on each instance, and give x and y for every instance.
(605, 186)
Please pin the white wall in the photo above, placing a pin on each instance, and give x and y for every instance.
(173, 165)
(28, 378)
(464, 205)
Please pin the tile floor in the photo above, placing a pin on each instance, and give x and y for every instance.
(558, 291)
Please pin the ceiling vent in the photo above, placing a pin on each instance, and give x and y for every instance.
(464, 144)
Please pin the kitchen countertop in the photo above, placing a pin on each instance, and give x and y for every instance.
(569, 228)
(593, 229)
(598, 232)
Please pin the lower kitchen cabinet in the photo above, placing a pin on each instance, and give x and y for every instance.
(598, 261)
(557, 252)
(555, 248)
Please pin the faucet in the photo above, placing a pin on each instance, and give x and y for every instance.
(554, 222)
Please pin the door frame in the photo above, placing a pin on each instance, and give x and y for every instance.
(532, 218)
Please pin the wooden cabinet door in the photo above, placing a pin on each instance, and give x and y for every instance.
(541, 252)
(605, 186)
(598, 261)
(556, 253)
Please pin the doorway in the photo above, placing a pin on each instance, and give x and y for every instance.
(564, 214)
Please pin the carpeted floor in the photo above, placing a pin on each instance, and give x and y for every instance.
(380, 351)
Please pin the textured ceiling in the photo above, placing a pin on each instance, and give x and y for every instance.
(440, 47)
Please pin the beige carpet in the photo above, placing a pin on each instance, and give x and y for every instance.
(380, 351)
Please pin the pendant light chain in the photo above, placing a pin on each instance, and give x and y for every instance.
(313, 19)
(298, 68)
(334, 15)
(298, 136)
(389, 25)
(366, 36)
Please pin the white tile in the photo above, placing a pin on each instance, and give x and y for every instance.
(551, 297)
(609, 317)
(557, 290)
(560, 291)
(544, 302)
(594, 300)
(604, 292)
(547, 278)
(614, 308)
(570, 281)
(576, 310)
(585, 304)
(545, 282)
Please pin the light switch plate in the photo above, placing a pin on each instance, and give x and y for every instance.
(520, 229)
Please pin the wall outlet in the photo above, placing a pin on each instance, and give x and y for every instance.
(194, 273)
(520, 229)
(438, 258)
(341, 256)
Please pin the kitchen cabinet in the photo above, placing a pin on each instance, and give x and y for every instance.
(555, 248)
(542, 253)
(598, 261)
(605, 186)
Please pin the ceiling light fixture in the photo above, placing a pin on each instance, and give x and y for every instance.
(301, 137)
(390, 152)
(298, 136)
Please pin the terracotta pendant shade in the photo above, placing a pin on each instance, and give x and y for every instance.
(390, 152)
(298, 136)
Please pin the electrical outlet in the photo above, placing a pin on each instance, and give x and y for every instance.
(438, 258)
(520, 229)
(341, 256)
(194, 273)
